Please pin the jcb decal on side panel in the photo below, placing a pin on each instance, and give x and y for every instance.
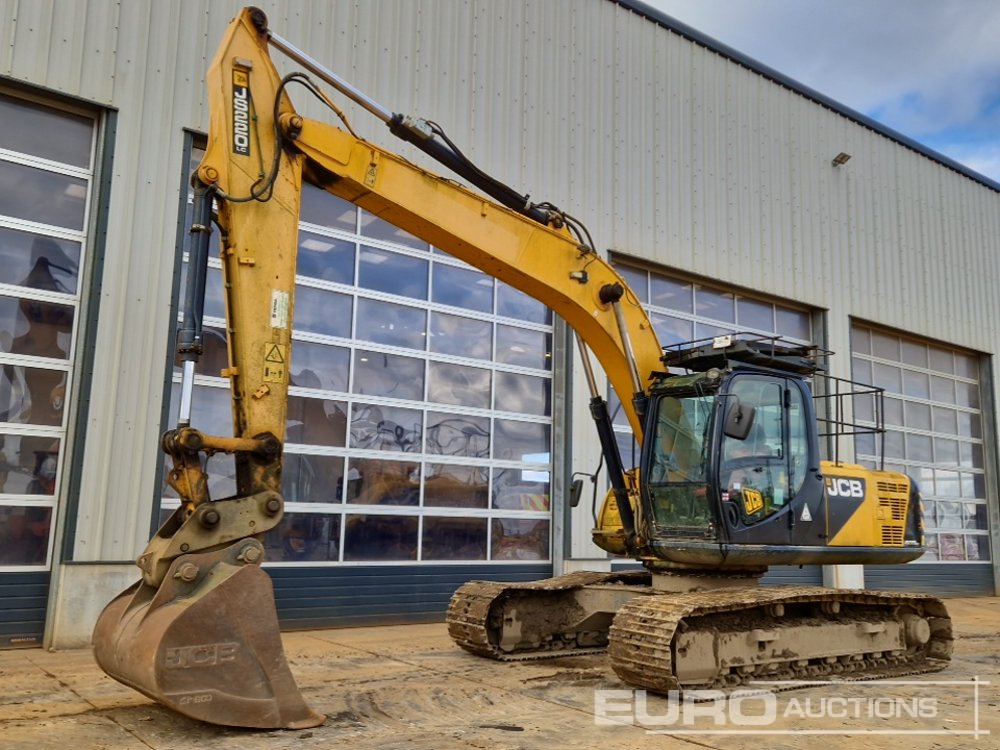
(845, 487)
(844, 497)
(241, 113)
(753, 501)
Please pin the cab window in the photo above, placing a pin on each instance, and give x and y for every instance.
(762, 472)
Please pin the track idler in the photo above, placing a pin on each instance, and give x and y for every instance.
(206, 643)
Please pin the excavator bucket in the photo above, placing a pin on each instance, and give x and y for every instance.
(206, 642)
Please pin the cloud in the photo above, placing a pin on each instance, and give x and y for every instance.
(928, 69)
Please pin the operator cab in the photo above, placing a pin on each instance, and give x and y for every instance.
(732, 450)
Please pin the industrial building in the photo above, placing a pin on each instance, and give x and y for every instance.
(437, 416)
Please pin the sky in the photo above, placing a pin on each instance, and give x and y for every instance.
(929, 69)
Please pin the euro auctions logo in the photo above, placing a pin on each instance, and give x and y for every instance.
(888, 707)
(688, 710)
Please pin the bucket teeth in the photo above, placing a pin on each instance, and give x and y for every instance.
(206, 643)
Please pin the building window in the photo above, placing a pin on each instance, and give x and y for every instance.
(934, 433)
(46, 182)
(682, 310)
(420, 404)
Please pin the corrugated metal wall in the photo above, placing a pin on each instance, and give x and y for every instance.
(939, 579)
(668, 151)
(22, 609)
(378, 595)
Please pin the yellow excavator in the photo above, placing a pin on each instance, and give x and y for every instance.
(729, 480)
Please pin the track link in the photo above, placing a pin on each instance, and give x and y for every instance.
(644, 652)
(476, 610)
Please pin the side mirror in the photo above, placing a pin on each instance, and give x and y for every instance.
(575, 491)
(739, 420)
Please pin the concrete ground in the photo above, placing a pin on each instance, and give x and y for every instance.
(409, 688)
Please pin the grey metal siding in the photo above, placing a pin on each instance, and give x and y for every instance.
(379, 595)
(670, 151)
(941, 579)
(23, 598)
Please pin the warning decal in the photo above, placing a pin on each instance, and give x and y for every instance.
(279, 309)
(275, 357)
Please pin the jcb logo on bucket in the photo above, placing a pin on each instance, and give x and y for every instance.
(203, 655)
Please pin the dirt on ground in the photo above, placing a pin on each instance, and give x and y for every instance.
(410, 688)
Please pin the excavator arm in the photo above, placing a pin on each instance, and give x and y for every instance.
(199, 632)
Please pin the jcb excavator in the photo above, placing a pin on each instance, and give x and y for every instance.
(730, 479)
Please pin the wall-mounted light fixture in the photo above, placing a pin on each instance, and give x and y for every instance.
(840, 159)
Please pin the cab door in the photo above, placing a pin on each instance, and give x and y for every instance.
(767, 478)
